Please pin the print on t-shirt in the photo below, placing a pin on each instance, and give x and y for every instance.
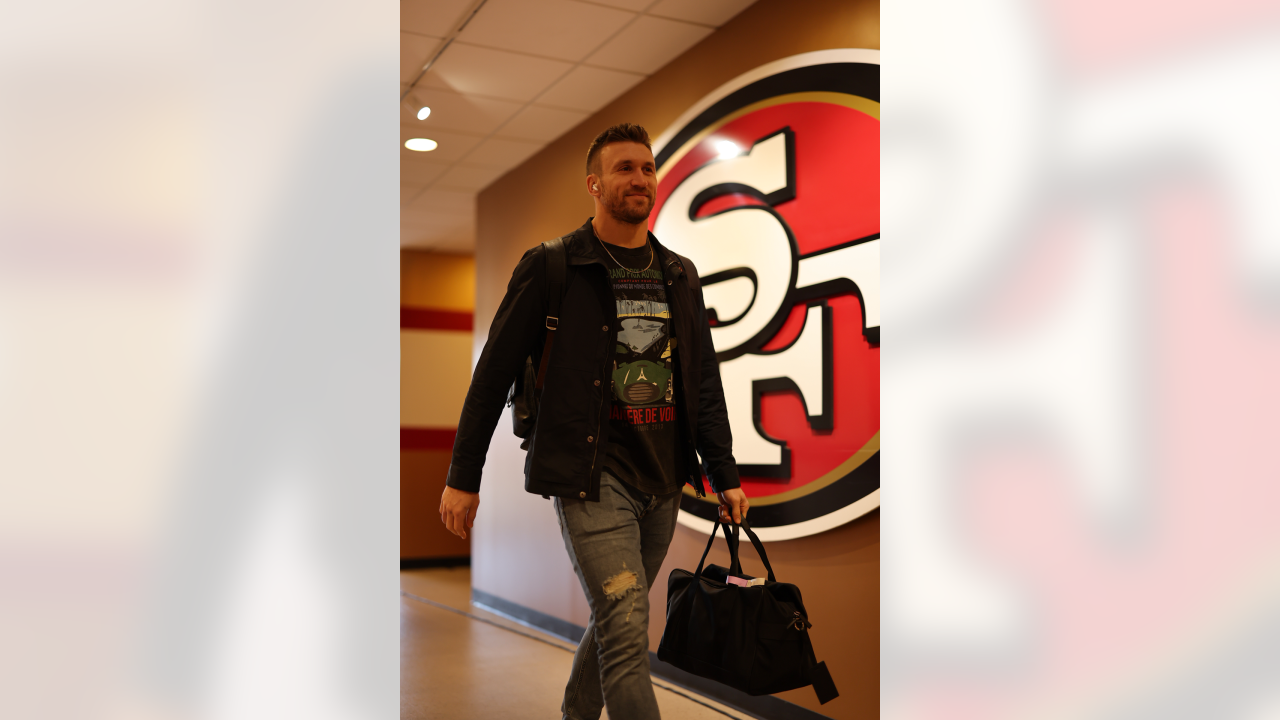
(642, 377)
(642, 423)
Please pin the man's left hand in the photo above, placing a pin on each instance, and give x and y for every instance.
(733, 505)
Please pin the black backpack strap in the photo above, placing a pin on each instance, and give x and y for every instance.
(556, 263)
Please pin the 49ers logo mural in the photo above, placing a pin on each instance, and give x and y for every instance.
(771, 185)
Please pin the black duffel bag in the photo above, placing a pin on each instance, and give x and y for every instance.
(755, 639)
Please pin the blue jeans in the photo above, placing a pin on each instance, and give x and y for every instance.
(617, 546)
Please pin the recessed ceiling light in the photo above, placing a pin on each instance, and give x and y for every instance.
(424, 112)
(420, 144)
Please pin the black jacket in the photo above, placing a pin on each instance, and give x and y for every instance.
(571, 438)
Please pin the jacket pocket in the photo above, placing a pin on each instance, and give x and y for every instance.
(568, 423)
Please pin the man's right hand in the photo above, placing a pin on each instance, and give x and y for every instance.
(458, 510)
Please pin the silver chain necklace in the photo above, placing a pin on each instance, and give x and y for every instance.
(605, 245)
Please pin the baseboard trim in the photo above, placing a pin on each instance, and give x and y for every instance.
(435, 562)
(764, 707)
(542, 621)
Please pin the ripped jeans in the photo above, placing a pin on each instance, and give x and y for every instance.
(616, 546)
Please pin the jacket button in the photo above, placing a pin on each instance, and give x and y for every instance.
(604, 328)
(597, 383)
(668, 282)
(582, 495)
(591, 438)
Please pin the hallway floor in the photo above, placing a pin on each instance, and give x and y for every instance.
(460, 661)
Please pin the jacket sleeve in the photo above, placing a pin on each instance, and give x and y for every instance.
(514, 334)
(715, 440)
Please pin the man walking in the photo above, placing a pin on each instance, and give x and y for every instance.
(632, 390)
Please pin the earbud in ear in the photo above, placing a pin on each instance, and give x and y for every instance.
(596, 188)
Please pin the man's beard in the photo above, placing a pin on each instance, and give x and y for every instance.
(620, 209)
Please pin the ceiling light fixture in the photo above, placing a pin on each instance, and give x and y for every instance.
(424, 112)
(421, 144)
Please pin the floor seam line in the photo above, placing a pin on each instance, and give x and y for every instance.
(464, 613)
(693, 699)
(451, 609)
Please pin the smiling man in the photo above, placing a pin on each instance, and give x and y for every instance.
(631, 398)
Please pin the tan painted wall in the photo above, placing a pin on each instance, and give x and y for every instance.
(437, 280)
(435, 369)
(422, 535)
(517, 550)
(435, 365)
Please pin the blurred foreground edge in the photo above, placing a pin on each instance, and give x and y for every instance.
(307, 381)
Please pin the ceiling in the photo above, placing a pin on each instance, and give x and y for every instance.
(519, 74)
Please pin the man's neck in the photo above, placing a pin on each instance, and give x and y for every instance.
(616, 232)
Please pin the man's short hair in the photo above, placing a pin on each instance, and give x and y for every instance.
(622, 132)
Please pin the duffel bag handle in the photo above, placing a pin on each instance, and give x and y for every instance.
(735, 563)
(759, 549)
(732, 550)
(735, 566)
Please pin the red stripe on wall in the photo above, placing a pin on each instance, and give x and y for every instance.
(412, 438)
(423, 319)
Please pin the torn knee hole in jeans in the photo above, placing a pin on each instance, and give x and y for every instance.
(618, 586)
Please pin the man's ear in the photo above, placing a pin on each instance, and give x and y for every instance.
(593, 186)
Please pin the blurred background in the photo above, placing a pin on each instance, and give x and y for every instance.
(1082, 312)
(154, 158)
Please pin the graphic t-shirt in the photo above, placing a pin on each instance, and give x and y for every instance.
(642, 423)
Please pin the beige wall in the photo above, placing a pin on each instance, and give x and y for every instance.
(437, 280)
(422, 535)
(435, 369)
(435, 365)
(517, 551)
